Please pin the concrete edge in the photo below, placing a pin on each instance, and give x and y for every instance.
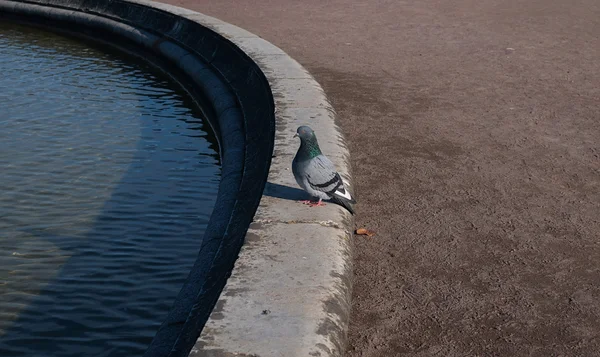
(289, 292)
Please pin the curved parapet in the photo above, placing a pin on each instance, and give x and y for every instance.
(289, 291)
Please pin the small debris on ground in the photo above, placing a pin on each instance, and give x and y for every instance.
(266, 312)
(364, 232)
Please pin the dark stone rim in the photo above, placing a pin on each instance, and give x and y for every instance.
(242, 113)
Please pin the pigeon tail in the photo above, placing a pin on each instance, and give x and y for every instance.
(347, 204)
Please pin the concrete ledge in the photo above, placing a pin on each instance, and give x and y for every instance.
(289, 292)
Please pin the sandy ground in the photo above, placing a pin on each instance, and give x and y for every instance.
(474, 129)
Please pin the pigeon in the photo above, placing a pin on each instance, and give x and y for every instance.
(316, 174)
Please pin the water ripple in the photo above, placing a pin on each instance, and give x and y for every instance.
(108, 181)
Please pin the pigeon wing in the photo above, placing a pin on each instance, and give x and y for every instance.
(322, 176)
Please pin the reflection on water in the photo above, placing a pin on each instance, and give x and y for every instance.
(107, 182)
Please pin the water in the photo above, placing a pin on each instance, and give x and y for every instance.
(107, 181)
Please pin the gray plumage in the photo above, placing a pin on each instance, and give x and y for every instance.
(316, 174)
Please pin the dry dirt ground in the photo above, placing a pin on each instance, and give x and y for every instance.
(474, 129)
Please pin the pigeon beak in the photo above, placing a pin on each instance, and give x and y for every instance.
(296, 135)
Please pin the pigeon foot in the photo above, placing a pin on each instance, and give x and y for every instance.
(313, 203)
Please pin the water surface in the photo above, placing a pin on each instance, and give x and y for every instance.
(108, 178)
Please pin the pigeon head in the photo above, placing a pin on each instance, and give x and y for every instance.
(309, 147)
(305, 133)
